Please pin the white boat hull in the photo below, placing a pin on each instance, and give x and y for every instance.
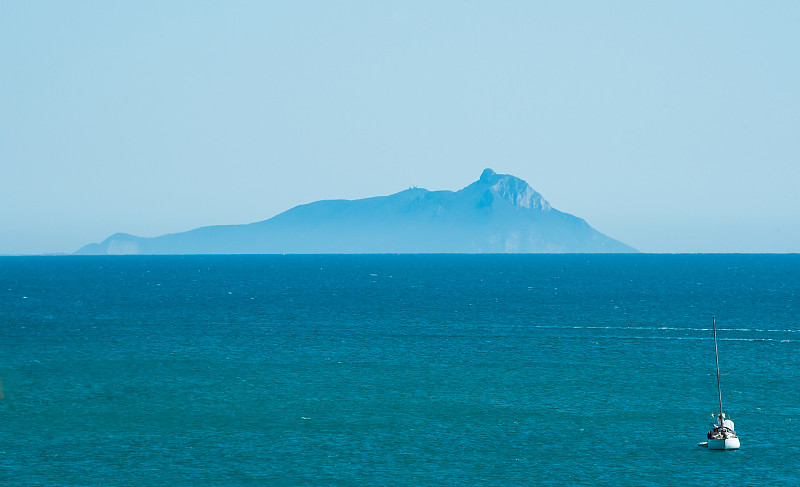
(724, 444)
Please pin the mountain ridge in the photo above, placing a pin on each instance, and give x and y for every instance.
(498, 213)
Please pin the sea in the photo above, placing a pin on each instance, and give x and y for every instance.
(397, 370)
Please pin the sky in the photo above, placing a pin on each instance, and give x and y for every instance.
(670, 126)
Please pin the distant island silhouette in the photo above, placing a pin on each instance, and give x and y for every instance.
(498, 213)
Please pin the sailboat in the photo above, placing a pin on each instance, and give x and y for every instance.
(722, 435)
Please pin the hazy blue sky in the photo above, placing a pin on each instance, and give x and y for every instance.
(672, 126)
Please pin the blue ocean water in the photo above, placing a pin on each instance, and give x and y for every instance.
(397, 369)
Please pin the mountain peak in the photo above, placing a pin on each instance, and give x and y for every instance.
(487, 175)
(512, 189)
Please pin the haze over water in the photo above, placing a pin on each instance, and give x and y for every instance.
(396, 369)
(670, 126)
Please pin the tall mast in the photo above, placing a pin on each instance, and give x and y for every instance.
(716, 355)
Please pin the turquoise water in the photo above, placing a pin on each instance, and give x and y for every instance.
(397, 370)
